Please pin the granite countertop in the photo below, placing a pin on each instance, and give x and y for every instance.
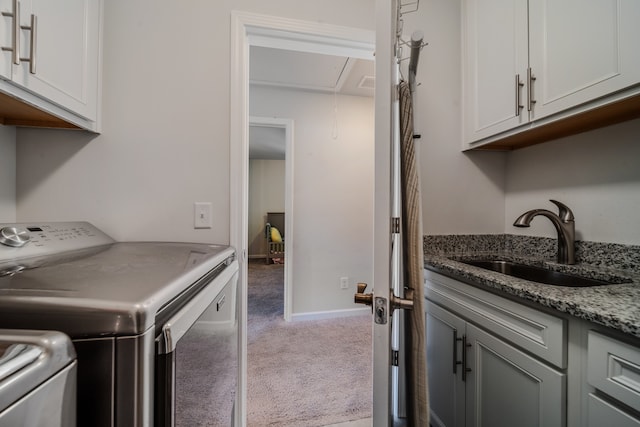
(616, 305)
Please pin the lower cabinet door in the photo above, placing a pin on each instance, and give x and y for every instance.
(444, 347)
(507, 387)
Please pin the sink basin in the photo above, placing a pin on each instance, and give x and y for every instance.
(536, 274)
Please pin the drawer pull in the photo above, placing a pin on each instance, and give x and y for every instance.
(32, 43)
(519, 85)
(465, 346)
(530, 79)
(456, 362)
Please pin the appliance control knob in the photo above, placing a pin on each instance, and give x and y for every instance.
(14, 236)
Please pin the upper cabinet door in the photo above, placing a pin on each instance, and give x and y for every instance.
(61, 43)
(7, 37)
(581, 50)
(496, 53)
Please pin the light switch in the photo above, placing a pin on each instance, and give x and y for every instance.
(202, 215)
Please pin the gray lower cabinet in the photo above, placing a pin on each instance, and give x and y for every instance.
(481, 371)
(605, 413)
(507, 387)
(477, 379)
(446, 387)
(614, 372)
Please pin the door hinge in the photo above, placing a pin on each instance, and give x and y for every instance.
(395, 225)
(395, 356)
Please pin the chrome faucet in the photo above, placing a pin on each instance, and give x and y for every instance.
(564, 223)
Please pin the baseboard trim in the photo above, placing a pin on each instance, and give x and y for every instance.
(331, 314)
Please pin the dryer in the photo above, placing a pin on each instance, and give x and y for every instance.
(154, 324)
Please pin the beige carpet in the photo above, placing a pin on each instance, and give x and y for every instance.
(305, 373)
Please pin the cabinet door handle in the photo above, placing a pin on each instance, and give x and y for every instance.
(530, 79)
(456, 362)
(465, 370)
(32, 43)
(15, 30)
(519, 85)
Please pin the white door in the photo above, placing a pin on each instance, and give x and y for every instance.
(382, 393)
(382, 247)
(388, 388)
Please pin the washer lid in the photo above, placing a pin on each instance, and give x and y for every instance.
(28, 359)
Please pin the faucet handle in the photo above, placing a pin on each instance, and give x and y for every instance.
(564, 212)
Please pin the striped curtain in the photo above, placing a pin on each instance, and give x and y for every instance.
(413, 260)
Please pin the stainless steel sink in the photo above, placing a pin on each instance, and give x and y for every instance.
(536, 274)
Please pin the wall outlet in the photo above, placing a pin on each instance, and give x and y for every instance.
(344, 283)
(202, 215)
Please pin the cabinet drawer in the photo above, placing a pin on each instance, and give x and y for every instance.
(603, 413)
(614, 368)
(539, 333)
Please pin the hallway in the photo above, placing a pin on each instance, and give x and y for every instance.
(305, 373)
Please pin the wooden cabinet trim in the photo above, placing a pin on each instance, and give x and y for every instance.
(606, 115)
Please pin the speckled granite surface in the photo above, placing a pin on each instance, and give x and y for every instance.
(616, 306)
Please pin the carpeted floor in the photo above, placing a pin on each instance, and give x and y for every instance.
(305, 373)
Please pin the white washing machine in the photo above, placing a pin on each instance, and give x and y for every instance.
(37, 379)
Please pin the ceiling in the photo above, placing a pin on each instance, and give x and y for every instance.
(302, 71)
(311, 71)
(266, 142)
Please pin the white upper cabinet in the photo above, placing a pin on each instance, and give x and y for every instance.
(530, 63)
(59, 56)
(581, 50)
(497, 54)
(64, 53)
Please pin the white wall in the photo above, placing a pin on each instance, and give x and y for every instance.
(596, 174)
(7, 174)
(332, 195)
(266, 194)
(461, 193)
(165, 140)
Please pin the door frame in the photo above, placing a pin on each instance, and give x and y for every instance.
(287, 125)
(249, 29)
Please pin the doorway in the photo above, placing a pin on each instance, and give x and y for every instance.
(279, 146)
(255, 30)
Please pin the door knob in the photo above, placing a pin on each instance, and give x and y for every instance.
(405, 303)
(360, 297)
